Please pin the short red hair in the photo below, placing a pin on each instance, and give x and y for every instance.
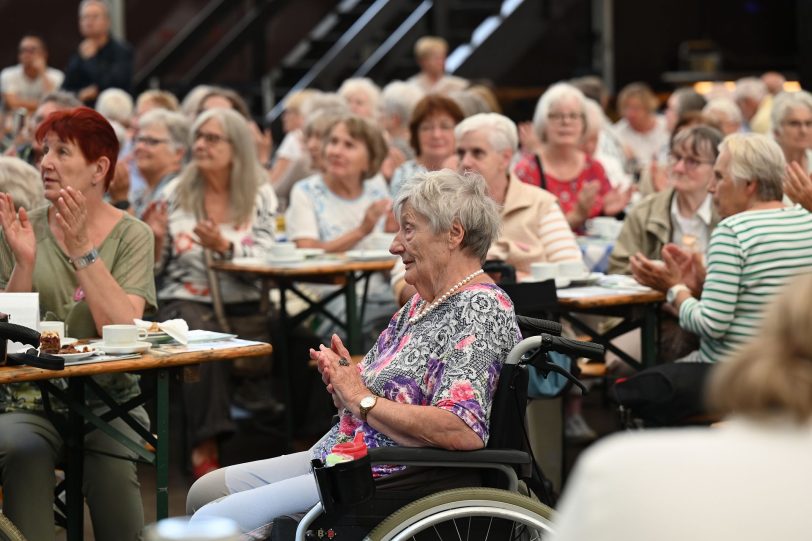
(88, 130)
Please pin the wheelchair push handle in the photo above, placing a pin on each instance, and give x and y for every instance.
(538, 326)
(576, 348)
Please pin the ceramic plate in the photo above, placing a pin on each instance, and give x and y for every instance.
(77, 356)
(369, 255)
(253, 261)
(311, 252)
(137, 347)
(292, 258)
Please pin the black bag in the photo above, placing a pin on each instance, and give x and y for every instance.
(666, 394)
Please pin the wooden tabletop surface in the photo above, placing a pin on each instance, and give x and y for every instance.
(610, 299)
(314, 267)
(161, 358)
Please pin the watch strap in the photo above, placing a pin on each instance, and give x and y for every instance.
(85, 260)
(675, 290)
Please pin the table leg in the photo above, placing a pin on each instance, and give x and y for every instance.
(281, 360)
(162, 451)
(73, 483)
(649, 335)
(353, 322)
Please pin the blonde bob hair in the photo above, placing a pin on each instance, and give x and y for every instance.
(246, 175)
(771, 376)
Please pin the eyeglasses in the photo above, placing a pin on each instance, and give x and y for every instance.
(150, 141)
(561, 117)
(32, 49)
(210, 138)
(798, 124)
(690, 163)
(442, 126)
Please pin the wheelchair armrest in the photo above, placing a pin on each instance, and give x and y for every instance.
(392, 455)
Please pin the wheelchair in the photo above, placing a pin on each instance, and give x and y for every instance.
(351, 507)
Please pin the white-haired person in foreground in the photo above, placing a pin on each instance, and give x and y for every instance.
(428, 381)
(754, 250)
(747, 479)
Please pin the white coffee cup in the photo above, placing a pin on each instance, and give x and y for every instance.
(282, 249)
(122, 335)
(53, 326)
(543, 271)
(571, 269)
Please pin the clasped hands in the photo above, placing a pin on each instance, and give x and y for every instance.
(343, 382)
(678, 266)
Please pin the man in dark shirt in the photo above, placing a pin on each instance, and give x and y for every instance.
(100, 61)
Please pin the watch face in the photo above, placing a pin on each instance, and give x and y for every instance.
(367, 401)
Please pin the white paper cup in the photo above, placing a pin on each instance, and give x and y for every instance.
(282, 249)
(543, 271)
(122, 335)
(571, 269)
(53, 326)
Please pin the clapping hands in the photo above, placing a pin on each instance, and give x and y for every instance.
(18, 232)
(798, 185)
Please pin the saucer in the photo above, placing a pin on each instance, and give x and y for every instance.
(123, 349)
(369, 255)
(311, 252)
(295, 257)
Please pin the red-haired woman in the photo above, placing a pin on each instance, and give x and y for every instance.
(92, 265)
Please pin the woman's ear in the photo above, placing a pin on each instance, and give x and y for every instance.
(101, 169)
(455, 235)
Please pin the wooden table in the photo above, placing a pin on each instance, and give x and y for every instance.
(82, 419)
(638, 309)
(332, 270)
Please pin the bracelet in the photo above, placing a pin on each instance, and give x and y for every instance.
(124, 204)
(85, 260)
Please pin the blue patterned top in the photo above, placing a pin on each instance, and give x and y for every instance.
(450, 359)
(315, 212)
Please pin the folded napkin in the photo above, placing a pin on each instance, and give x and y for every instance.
(176, 328)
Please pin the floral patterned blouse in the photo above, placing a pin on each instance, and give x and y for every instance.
(451, 359)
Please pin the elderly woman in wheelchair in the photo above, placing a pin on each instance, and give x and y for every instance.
(430, 378)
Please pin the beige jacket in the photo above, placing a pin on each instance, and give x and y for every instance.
(646, 229)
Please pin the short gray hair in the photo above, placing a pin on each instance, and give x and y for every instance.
(103, 3)
(364, 85)
(750, 87)
(724, 106)
(445, 196)
(176, 124)
(22, 182)
(555, 94)
(784, 102)
(756, 157)
(399, 98)
(501, 131)
(115, 104)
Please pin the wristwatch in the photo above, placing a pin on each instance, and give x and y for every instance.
(673, 291)
(366, 404)
(85, 260)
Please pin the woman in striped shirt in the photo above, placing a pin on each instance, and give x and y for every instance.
(758, 246)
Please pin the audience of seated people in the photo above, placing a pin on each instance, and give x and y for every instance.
(723, 224)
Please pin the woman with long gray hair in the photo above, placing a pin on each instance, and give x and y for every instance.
(220, 203)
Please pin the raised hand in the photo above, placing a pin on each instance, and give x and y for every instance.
(156, 216)
(210, 237)
(528, 139)
(18, 232)
(374, 213)
(616, 200)
(71, 215)
(654, 274)
(798, 185)
(690, 266)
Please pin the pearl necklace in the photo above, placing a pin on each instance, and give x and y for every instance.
(439, 300)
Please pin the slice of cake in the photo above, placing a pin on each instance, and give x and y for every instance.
(49, 342)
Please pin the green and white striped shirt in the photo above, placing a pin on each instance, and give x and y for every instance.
(750, 257)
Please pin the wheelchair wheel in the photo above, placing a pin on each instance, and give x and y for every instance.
(467, 513)
(8, 531)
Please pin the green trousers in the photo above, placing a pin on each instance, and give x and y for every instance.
(30, 449)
